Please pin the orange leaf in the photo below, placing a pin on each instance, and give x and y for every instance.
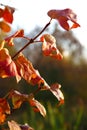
(4, 26)
(55, 89)
(4, 109)
(63, 16)
(4, 105)
(2, 116)
(37, 106)
(19, 33)
(26, 70)
(7, 15)
(49, 47)
(17, 98)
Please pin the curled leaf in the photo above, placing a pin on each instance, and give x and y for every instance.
(63, 16)
(37, 107)
(55, 89)
(49, 47)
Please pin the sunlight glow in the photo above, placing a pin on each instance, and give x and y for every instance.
(34, 13)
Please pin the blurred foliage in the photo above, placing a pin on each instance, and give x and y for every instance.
(71, 73)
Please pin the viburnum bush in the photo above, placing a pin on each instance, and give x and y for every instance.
(19, 66)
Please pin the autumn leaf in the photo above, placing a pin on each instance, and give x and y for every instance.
(2, 116)
(15, 126)
(49, 47)
(8, 14)
(18, 98)
(63, 16)
(7, 66)
(19, 33)
(55, 89)
(26, 70)
(1, 13)
(4, 26)
(38, 107)
(4, 109)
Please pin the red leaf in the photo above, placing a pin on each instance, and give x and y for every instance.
(55, 89)
(63, 16)
(8, 15)
(37, 106)
(7, 66)
(1, 13)
(49, 47)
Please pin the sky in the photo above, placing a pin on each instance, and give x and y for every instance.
(30, 13)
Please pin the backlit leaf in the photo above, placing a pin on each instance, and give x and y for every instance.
(1, 13)
(55, 89)
(63, 16)
(37, 106)
(5, 27)
(7, 66)
(26, 70)
(17, 98)
(8, 15)
(13, 125)
(4, 109)
(49, 47)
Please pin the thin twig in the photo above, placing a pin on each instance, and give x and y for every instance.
(33, 39)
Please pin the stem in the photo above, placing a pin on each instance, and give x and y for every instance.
(32, 40)
(43, 29)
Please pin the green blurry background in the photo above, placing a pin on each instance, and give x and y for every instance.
(71, 73)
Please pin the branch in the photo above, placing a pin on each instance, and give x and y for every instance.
(32, 39)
